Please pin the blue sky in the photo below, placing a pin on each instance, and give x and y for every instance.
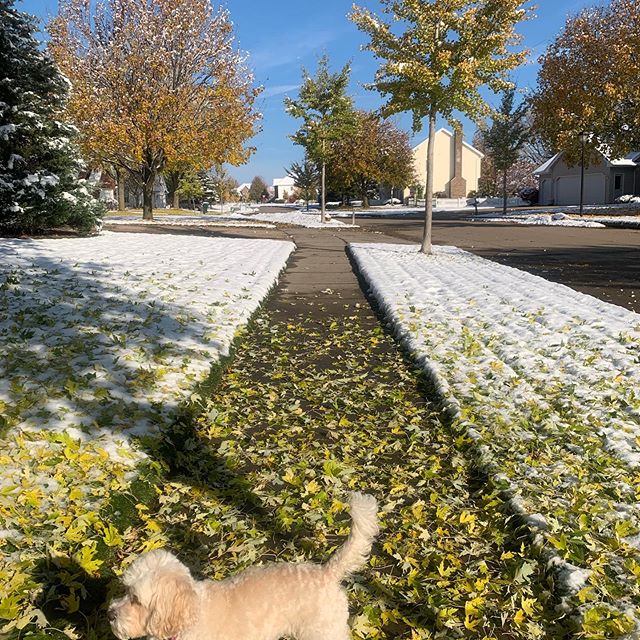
(281, 36)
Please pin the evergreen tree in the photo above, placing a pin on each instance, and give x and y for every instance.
(506, 137)
(327, 114)
(39, 164)
(208, 186)
(306, 178)
(257, 189)
(190, 187)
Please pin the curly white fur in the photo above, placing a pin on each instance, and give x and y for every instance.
(304, 600)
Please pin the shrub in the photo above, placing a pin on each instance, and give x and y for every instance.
(529, 194)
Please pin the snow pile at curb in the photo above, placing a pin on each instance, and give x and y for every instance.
(103, 337)
(544, 380)
(560, 219)
(389, 212)
(300, 218)
(552, 220)
(625, 222)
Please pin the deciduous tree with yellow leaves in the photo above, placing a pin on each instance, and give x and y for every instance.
(157, 84)
(375, 153)
(448, 50)
(588, 81)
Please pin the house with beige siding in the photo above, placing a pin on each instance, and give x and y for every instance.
(456, 162)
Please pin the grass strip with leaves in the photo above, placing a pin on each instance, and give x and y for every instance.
(545, 381)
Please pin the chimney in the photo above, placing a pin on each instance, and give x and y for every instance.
(457, 185)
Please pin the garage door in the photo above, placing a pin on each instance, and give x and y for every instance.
(568, 189)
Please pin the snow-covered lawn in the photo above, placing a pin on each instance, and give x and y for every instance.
(379, 212)
(299, 218)
(545, 382)
(100, 341)
(209, 220)
(106, 335)
(549, 220)
(626, 222)
(264, 220)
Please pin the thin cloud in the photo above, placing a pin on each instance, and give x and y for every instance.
(299, 45)
(278, 90)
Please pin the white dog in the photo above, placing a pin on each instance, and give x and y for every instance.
(302, 600)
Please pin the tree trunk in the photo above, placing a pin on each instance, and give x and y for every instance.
(504, 192)
(323, 195)
(153, 164)
(428, 196)
(176, 200)
(147, 194)
(120, 180)
(323, 186)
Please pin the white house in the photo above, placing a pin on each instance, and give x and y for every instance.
(603, 182)
(243, 190)
(457, 164)
(103, 185)
(283, 187)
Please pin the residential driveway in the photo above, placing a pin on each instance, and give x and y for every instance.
(604, 263)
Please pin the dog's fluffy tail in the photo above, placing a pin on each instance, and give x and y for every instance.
(364, 528)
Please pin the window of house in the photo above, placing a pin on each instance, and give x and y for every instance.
(617, 182)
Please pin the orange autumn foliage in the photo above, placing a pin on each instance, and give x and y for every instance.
(155, 84)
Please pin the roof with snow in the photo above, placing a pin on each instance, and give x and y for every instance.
(543, 168)
(284, 182)
(630, 160)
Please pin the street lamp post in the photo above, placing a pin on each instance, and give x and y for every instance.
(582, 136)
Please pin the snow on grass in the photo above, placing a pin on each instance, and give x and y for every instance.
(546, 382)
(188, 221)
(561, 219)
(380, 212)
(310, 219)
(100, 340)
(549, 220)
(109, 334)
(234, 219)
(625, 222)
